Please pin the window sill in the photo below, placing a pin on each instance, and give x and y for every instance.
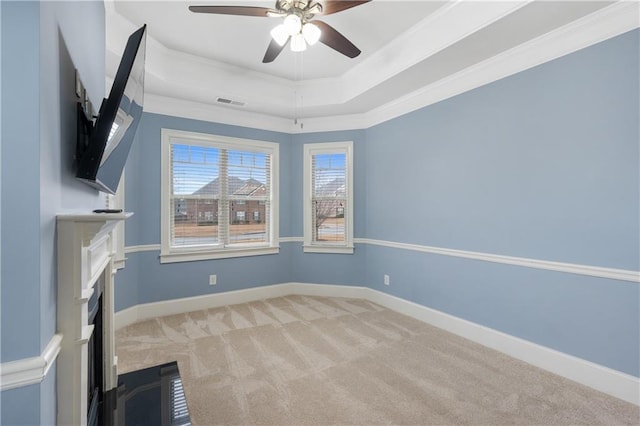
(190, 256)
(327, 249)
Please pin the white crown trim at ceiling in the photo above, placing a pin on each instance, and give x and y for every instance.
(172, 74)
(445, 27)
(592, 29)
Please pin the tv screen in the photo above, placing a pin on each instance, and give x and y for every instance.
(103, 160)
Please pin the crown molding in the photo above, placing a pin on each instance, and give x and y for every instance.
(176, 107)
(607, 23)
(450, 24)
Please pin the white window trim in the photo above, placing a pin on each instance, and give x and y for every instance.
(170, 254)
(310, 246)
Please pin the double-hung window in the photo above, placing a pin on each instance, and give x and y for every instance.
(219, 197)
(328, 197)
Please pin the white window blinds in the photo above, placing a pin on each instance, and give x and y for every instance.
(220, 193)
(329, 197)
(213, 191)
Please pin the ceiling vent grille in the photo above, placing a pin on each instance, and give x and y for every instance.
(230, 102)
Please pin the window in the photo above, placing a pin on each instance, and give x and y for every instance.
(208, 182)
(118, 129)
(328, 197)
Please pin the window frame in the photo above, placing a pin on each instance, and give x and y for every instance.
(310, 246)
(170, 254)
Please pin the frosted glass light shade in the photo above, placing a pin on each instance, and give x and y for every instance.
(297, 43)
(280, 34)
(292, 23)
(311, 33)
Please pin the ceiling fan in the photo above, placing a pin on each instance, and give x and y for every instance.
(298, 25)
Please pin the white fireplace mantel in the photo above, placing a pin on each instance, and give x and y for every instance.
(85, 254)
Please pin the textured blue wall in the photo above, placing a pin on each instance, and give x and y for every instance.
(591, 318)
(20, 180)
(41, 44)
(541, 165)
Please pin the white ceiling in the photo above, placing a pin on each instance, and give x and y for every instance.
(242, 40)
(413, 54)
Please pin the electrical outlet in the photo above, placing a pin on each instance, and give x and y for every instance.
(386, 279)
(213, 279)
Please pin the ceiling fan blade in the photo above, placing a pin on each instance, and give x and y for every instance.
(334, 6)
(232, 10)
(273, 50)
(332, 38)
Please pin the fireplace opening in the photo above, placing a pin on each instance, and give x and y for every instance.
(95, 376)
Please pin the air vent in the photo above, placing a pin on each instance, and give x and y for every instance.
(230, 102)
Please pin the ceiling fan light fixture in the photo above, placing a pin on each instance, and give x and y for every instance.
(280, 34)
(297, 43)
(293, 24)
(311, 33)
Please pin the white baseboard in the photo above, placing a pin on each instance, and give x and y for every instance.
(147, 311)
(603, 379)
(28, 371)
(598, 377)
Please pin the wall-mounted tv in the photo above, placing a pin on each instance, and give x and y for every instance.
(103, 148)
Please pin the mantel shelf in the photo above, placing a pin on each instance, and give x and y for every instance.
(94, 224)
(94, 217)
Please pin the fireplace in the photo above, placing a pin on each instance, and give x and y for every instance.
(95, 358)
(86, 365)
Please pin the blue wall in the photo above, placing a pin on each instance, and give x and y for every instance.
(541, 165)
(41, 44)
(20, 139)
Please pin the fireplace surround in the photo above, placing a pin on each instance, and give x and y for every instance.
(86, 253)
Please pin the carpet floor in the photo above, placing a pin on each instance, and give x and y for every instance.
(300, 360)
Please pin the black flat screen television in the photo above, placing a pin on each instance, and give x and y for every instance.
(103, 151)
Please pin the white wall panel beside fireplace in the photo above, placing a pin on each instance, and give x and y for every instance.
(85, 263)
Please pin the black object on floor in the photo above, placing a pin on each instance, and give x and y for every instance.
(152, 396)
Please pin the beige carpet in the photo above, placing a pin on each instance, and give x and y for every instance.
(301, 360)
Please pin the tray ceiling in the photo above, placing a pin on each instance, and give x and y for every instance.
(407, 47)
